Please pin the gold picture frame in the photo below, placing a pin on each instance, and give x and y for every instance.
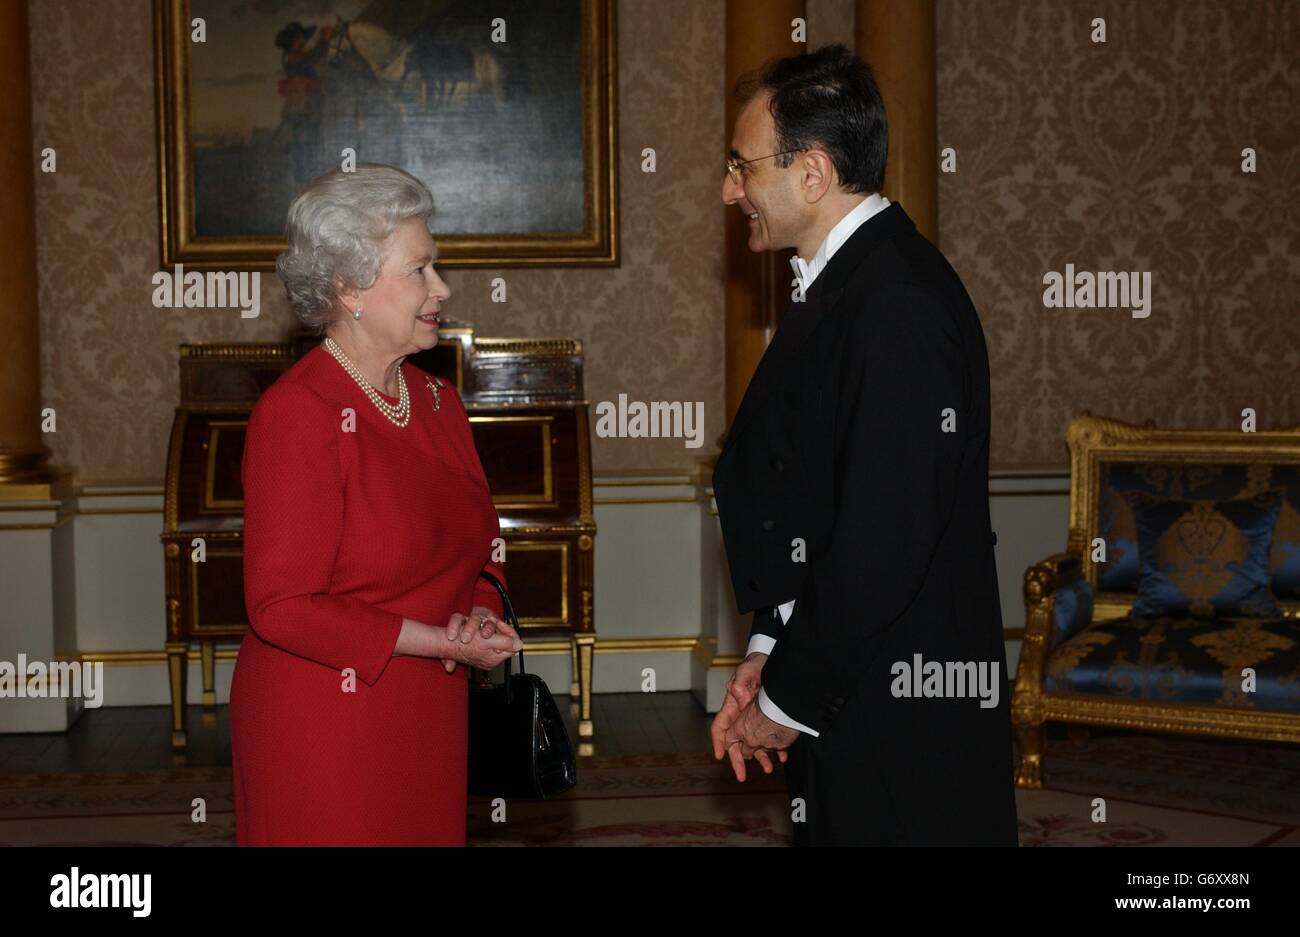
(572, 207)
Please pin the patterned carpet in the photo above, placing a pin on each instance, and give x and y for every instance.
(1158, 792)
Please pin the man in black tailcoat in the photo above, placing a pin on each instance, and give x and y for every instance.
(853, 493)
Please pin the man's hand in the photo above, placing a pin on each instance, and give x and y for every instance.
(739, 730)
(722, 723)
(744, 683)
(757, 736)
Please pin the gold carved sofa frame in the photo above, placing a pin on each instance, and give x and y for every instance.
(1096, 443)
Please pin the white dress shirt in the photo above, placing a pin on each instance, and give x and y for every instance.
(806, 273)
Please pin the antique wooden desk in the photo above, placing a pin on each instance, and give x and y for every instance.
(526, 408)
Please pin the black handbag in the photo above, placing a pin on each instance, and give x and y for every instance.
(517, 743)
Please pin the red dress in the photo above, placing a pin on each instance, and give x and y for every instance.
(345, 534)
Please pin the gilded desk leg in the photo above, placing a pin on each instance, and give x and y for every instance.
(176, 667)
(584, 642)
(209, 674)
(586, 648)
(575, 686)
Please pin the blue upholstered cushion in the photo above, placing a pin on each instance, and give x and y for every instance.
(1183, 660)
(1205, 559)
(1285, 555)
(1071, 612)
(1214, 482)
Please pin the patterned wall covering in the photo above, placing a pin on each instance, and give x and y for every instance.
(651, 328)
(1123, 156)
(1126, 156)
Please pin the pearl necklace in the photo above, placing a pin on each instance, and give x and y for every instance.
(399, 414)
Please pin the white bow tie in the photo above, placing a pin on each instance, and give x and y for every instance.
(802, 272)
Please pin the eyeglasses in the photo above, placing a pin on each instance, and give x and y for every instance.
(735, 167)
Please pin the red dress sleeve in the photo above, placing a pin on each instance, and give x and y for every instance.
(293, 525)
(485, 594)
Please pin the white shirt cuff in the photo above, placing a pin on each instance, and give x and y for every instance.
(762, 643)
(775, 713)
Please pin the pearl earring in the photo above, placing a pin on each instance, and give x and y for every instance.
(357, 313)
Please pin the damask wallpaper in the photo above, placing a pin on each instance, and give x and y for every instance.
(1123, 156)
(1126, 156)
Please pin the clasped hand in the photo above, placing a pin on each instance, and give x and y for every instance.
(740, 730)
(480, 640)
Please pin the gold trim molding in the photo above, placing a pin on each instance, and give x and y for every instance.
(56, 488)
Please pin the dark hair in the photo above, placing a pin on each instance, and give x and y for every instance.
(828, 99)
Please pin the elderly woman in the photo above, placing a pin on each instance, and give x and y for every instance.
(367, 521)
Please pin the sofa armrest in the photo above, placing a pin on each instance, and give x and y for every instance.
(1058, 604)
(1058, 600)
(1071, 611)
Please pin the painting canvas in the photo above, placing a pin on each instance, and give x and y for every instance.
(504, 110)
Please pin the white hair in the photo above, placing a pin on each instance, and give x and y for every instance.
(336, 229)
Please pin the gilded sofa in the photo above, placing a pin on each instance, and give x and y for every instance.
(1086, 659)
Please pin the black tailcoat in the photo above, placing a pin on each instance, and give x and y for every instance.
(864, 436)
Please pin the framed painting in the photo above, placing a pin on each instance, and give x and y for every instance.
(506, 111)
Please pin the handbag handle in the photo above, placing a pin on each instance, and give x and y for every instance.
(511, 619)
